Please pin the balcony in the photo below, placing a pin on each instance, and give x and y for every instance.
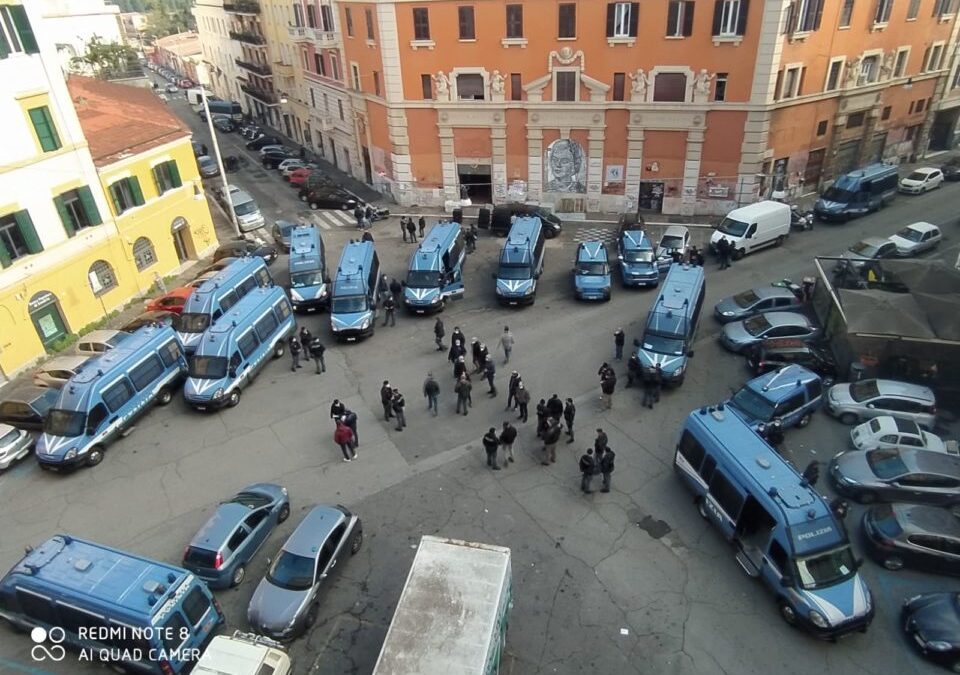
(262, 95)
(299, 33)
(325, 38)
(262, 70)
(248, 38)
(283, 69)
(324, 120)
(242, 7)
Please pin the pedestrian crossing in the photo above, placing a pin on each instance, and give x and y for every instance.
(328, 220)
(607, 235)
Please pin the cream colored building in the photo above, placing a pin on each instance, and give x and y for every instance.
(220, 51)
(71, 24)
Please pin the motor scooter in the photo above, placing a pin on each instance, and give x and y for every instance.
(800, 220)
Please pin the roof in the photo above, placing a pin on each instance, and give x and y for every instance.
(523, 230)
(926, 519)
(120, 121)
(675, 231)
(772, 291)
(356, 256)
(220, 525)
(181, 44)
(781, 383)
(759, 208)
(592, 251)
(313, 530)
(786, 319)
(922, 226)
(636, 239)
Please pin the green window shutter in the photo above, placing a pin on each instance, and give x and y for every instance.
(28, 231)
(157, 172)
(113, 198)
(20, 20)
(44, 128)
(4, 255)
(174, 173)
(4, 50)
(89, 205)
(65, 216)
(135, 190)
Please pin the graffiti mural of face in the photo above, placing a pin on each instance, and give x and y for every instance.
(566, 164)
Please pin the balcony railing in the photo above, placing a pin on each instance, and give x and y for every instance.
(248, 38)
(242, 7)
(257, 68)
(324, 38)
(299, 33)
(262, 95)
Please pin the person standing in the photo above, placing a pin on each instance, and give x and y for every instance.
(384, 288)
(587, 467)
(555, 408)
(397, 291)
(607, 386)
(484, 356)
(604, 369)
(506, 343)
(459, 368)
(634, 370)
(367, 237)
(507, 438)
(343, 436)
(648, 387)
(390, 311)
(305, 337)
(541, 418)
(431, 390)
(358, 216)
(463, 393)
(618, 340)
(475, 354)
(656, 384)
(489, 370)
(398, 406)
(422, 225)
(723, 252)
(550, 438)
(569, 413)
(459, 336)
(403, 228)
(386, 400)
(412, 231)
(606, 467)
(491, 444)
(438, 333)
(522, 397)
(316, 353)
(337, 410)
(368, 214)
(512, 390)
(600, 442)
(295, 350)
(456, 351)
(350, 419)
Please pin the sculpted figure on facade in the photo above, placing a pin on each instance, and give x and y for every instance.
(701, 85)
(853, 71)
(496, 82)
(442, 83)
(640, 81)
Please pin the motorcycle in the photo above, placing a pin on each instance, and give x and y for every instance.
(250, 131)
(800, 220)
(378, 213)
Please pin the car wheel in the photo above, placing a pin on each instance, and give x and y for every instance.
(787, 613)
(805, 420)
(866, 497)
(827, 381)
(303, 198)
(95, 456)
(284, 513)
(238, 575)
(311, 616)
(357, 541)
(893, 563)
(314, 206)
(702, 508)
(278, 350)
(233, 399)
(955, 667)
(739, 253)
(780, 240)
(849, 419)
(165, 396)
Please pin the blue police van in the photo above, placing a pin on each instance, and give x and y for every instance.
(308, 269)
(671, 326)
(784, 532)
(237, 346)
(436, 269)
(105, 397)
(791, 394)
(858, 192)
(113, 607)
(638, 259)
(591, 272)
(521, 262)
(353, 301)
(218, 294)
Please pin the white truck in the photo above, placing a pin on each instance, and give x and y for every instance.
(453, 611)
(243, 654)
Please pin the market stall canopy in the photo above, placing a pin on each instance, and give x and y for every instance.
(881, 313)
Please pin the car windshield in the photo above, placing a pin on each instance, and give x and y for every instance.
(663, 345)
(838, 195)
(245, 209)
(292, 572)
(592, 268)
(864, 249)
(423, 279)
(208, 367)
(193, 322)
(513, 272)
(886, 464)
(910, 234)
(885, 521)
(638, 256)
(301, 279)
(746, 299)
(348, 304)
(285, 231)
(863, 390)
(671, 243)
(918, 175)
(756, 325)
(735, 228)
(752, 404)
(826, 569)
(66, 423)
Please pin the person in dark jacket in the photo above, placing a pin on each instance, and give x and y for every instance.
(398, 405)
(438, 333)
(491, 444)
(462, 389)
(634, 370)
(459, 336)
(316, 353)
(522, 397)
(390, 311)
(422, 223)
(606, 467)
(386, 400)
(403, 228)
(367, 236)
(459, 368)
(512, 390)
(305, 337)
(484, 356)
(456, 351)
(569, 413)
(587, 467)
(358, 216)
(507, 438)
(550, 437)
(541, 417)
(489, 370)
(607, 386)
(600, 441)
(724, 252)
(337, 410)
(368, 214)
(431, 390)
(604, 369)
(475, 354)
(396, 289)
(343, 436)
(619, 338)
(412, 230)
(350, 419)
(471, 240)
(295, 349)
(555, 408)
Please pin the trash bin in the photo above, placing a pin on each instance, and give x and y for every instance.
(483, 218)
(858, 371)
(458, 216)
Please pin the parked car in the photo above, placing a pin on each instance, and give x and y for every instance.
(186, 83)
(870, 248)
(912, 535)
(951, 169)
(309, 178)
(216, 266)
(329, 197)
(897, 475)
(740, 336)
(224, 123)
(286, 602)
(792, 395)
(756, 301)
(99, 341)
(220, 551)
(262, 141)
(921, 180)
(272, 147)
(26, 406)
(171, 301)
(853, 402)
(55, 372)
(288, 166)
(241, 247)
(15, 444)
(886, 432)
(273, 158)
(281, 234)
(932, 624)
(775, 354)
(916, 239)
(197, 148)
(207, 166)
(501, 218)
(171, 88)
(153, 318)
(675, 239)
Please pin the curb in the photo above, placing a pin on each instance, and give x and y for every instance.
(587, 221)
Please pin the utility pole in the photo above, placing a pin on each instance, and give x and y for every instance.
(204, 76)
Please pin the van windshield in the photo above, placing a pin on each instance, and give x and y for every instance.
(513, 272)
(835, 194)
(65, 423)
(662, 345)
(208, 367)
(826, 569)
(194, 322)
(638, 256)
(292, 572)
(735, 228)
(752, 404)
(302, 279)
(348, 304)
(592, 268)
(245, 208)
(423, 279)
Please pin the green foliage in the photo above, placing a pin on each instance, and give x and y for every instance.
(167, 17)
(70, 340)
(104, 57)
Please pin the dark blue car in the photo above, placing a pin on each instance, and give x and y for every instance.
(220, 551)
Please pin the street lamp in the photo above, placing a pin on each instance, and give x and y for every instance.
(203, 75)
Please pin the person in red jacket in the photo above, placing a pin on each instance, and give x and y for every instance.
(343, 437)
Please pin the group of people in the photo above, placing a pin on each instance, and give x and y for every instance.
(598, 460)
(364, 216)
(314, 349)
(725, 251)
(345, 434)
(409, 228)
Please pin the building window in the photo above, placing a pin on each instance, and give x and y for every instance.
(804, 16)
(44, 128)
(335, 68)
(368, 14)
(622, 19)
(298, 16)
(101, 277)
(567, 20)
(340, 110)
(426, 86)
(913, 132)
(326, 14)
(934, 55)
(720, 87)
(355, 72)
(376, 83)
(18, 237)
(730, 18)
(913, 9)
(885, 115)
(421, 24)
(143, 254)
(125, 194)
(833, 75)
(956, 79)
(680, 18)
(882, 14)
(166, 176)
(514, 21)
(846, 11)
(619, 80)
(910, 109)
(348, 19)
(77, 210)
(792, 82)
(868, 70)
(671, 87)
(516, 87)
(855, 120)
(16, 35)
(919, 107)
(822, 128)
(470, 87)
(900, 66)
(943, 8)
(566, 84)
(311, 16)
(468, 28)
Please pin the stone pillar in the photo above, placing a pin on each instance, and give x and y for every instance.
(498, 143)
(755, 133)
(595, 137)
(404, 187)
(534, 163)
(448, 163)
(691, 170)
(634, 168)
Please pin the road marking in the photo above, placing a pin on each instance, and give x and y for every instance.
(328, 219)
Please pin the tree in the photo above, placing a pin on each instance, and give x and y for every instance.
(102, 58)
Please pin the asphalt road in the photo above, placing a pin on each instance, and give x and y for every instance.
(628, 582)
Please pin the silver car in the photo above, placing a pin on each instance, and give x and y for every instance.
(871, 248)
(756, 301)
(55, 372)
(208, 166)
(15, 444)
(739, 336)
(286, 602)
(854, 402)
(916, 239)
(897, 475)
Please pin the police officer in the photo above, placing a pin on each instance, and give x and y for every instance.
(569, 413)
(295, 350)
(386, 400)
(316, 353)
(438, 334)
(397, 290)
(390, 309)
(305, 337)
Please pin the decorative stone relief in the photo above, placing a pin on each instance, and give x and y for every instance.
(442, 85)
(701, 86)
(640, 83)
(886, 67)
(496, 87)
(565, 57)
(853, 71)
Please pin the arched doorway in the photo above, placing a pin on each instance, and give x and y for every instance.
(44, 308)
(182, 239)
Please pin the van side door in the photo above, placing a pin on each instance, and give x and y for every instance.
(723, 503)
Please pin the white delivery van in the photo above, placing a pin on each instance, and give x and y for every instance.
(248, 212)
(195, 97)
(749, 228)
(243, 654)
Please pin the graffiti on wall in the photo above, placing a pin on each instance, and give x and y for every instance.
(566, 167)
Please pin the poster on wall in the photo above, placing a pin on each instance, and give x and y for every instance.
(566, 168)
(614, 173)
(47, 326)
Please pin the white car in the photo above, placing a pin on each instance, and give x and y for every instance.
(675, 239)
(887, 433)
(55, 372)
(15, 444)
(171, 88)
(288, 166)
(916, 238)
(99, 341)
(922, 180)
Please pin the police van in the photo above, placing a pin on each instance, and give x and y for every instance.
(237, 346)
(784, 532)
(113, 607)
(858, 192)
(308, 269)
(638, 259)
(591, 272)
(353, 301)
(104, 398)
(671, 326)
(521, 262)
(436, 269)
(218, 294)
(791, 394)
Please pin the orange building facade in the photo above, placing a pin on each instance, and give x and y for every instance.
(679, 106)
